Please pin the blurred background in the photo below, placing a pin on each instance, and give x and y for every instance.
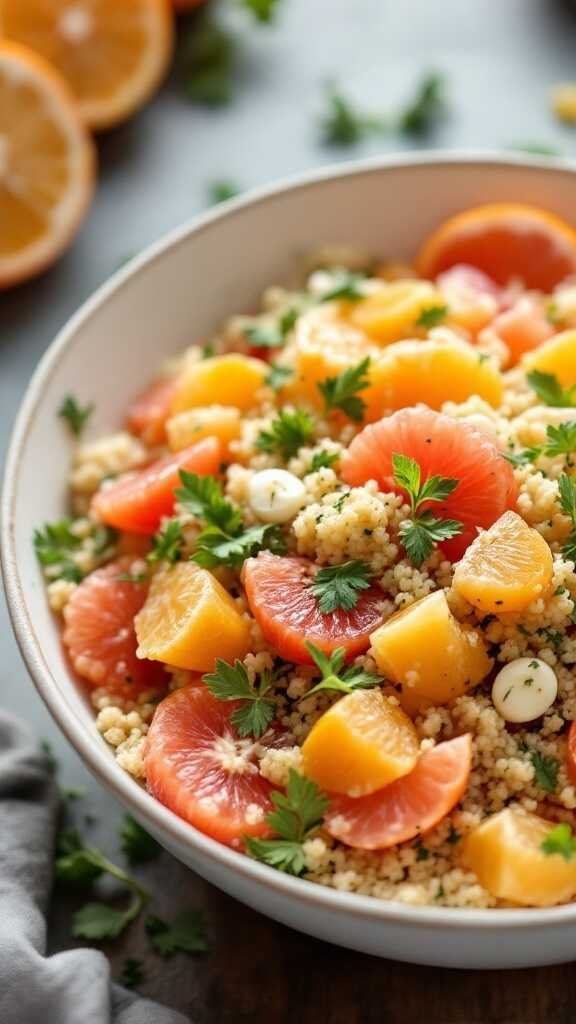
(254, 91)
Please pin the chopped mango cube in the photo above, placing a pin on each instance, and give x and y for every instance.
(505, 853)
(360, 744)
(233, 379)
(222, 421)
(429, 654)
(189, 619)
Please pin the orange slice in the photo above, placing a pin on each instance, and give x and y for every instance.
(363, 742)
(112, 53)
(505, 568)
(46, 165)
(556, 356)
(505, 240)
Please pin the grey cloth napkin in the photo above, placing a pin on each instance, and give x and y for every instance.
(73, 987)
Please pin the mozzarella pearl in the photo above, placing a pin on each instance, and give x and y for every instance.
(275, 495)
(524, 689)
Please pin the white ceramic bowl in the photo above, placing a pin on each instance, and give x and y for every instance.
(175, 293)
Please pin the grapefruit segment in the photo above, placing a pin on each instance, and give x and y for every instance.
(571, 753)
(286, 610)
(138, 501)
(198, 767)
(408, 807)
(472, 298)
(443, 446)
(522, 328)
(148, 413)
(99, 632)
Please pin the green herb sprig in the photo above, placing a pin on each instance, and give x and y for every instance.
(560, 840)
(340, 586)
(333, 678)
(137, 844)
(290, 431)
(272, 335)
(75, 415)
(549, 390)
(432, 316)
(423, 530)
(231, 682)
(185, 934)
(341, 393)
(168, 543)
(296, 817)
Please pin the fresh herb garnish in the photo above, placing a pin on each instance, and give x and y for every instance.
(295, 818)
(339, 586)
(545, 771)
(423, 530)
(560, 840)
(432, 316)
(345, 285)
(341, 392)
(136, 843)
(333, 678)
(278, 376)
(343, 124)
(567, 490)
(561, 440)
(549, 391)
(167, 544)
(231, 682)
(202, 497)
(132, 973)
(273, 335)
(428, 104)
(323, 460)
(220, 191)
(207, 59)
(185, 934)
(56, 546)
(263, 10)
(215, 547)
(76, 415)
(291, 429)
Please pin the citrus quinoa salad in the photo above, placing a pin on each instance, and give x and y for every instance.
(321, 586)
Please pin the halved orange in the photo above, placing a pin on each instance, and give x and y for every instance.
(112, 53)
(47, 165)
(505, 240)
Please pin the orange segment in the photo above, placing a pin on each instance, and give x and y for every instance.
(505, 568)
(408, 807)
(557, 356)
(112, 54)
(148, 412)
(189, 620)
(47, 165)
(505, 240)
(434, 372)
(522, 328)
(363, 742)
(429, 654)
(229, 380)
(505, 853)
(393, 311)
(221, 421)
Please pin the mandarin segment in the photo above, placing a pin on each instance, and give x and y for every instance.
(556, 356)
(392, 312)
(505, 853)
(363, 742)
(189, 620)
(505, 568)
(232, 380)
(221, 421)
(426, 652)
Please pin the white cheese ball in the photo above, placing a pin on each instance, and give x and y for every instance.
(524, 689)
(275, 495)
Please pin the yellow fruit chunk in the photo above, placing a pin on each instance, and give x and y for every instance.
(360, 744)
(557, 356)
(505, 568)
(433, 372)
(393, 311)
(189, 619)
(226, 380)
(222, 421)
(429, 653)
(47, 165)
(112, 53)
(564, 102)
(505, 853)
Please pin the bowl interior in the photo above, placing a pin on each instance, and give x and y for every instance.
(176, 294)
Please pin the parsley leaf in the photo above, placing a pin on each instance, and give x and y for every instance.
(76, 415)
(55, 546)
(296, 816)
(220, 191)
(547, 387)
(206, 59)
(263, 10)
(99, 921)
(343, 125)
(423, 530)
(167, 544)
(561, 440)
(560, 840)
(203, 497)
(345, 285)
(545, 771)
(136, 843)
(287, 434)
(432, 316)
(132, 973)
(567, 490)
(185, 934)
(278, 376)
(341, 392)
(421, 114)
(231, 682)
(333, 678)
(273, 335)
(215, 547)
(339, 586)
(323, 460)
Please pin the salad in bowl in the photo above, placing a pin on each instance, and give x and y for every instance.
(321, 586)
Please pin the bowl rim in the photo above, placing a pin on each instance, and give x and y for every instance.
(90, 747)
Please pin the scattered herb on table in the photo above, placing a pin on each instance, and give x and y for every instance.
(560, 840)
(545, 771)
(138, 845)
(549, 391)
(185, 934)
(423, 530)
(220, 191)
(432, 316)
(207, 59)
(263, 10)
(341, 392)
(345, 125)
(75, 415)
(291, 429)
(296, 816)
(333, 678)
(340, 586)
(132, 973)
(420, 116)
(167, 544)
(231, 682)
